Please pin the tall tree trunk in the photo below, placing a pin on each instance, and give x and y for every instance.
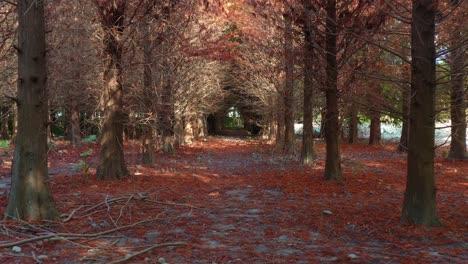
(419, 206)
(75, 131)
(403, 145)
(333, 160)
(307, 154)
(148, 131)
(111, 157)
(375, 135)
(289, 134)
(30, 197)
(353, 125)
(458, 105)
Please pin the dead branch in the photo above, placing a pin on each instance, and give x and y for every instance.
(64, 236)
(128, 257)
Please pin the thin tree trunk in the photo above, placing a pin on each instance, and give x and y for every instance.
(458, 105)
(419, 206)
(307, 154)
(323, 118)
(30, 197)
(130, 130)
(14, 123)
(167, 116)
(290, 136)
(111, 157)
(4, 135)
(403, 146)
(333, 160)
(375, 133)
(148, 131)
(280, 122)
(353, 125)
(75, 131)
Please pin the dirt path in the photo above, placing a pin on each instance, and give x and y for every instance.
(255, 206)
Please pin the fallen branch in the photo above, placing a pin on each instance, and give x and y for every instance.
(70, 216)
(129, 256)
(64, 236)
(107, 202)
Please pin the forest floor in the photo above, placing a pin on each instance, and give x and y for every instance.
(238, 201)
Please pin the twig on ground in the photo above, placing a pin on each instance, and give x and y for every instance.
(70, 216)
(121, 209)
(128, 257)
(64, 236)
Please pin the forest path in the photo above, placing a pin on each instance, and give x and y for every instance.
(239, 201)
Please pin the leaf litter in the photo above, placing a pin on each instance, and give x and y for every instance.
(236, 201)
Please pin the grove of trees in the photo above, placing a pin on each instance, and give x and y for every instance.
(167, 73)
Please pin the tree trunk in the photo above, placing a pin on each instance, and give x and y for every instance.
(14, 123)
(333, 160)
(353, 125)
(375, 134)
(188, 130)
(30, 197)
(419, 206)
(280, 122)
(289, 134)
(458, 105)
(403, 146)
(4, 135)
(323, 113)
(130, 129)
(167, 116)
(307, 154)
(147, 137)
(111, 157)
(75, 132)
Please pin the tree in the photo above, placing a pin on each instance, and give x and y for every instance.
(307, 153)
(111, 157)
(457, 102)
(289, 135)
(405, 96)
(30, 196)
(419, 206)
(333, 160)
(148, 131)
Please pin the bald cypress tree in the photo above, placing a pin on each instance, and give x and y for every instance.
(30, 196)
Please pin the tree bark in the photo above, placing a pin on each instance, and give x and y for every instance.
(419, 206)
(167, 115)
(307, 154)
(111, 157)
(458, 105)
(280, 122)
(403, 145)
(30, 197)
(75, 131)
(375, 135)
(289, 134)
(323, 113)
(4, 134)
(333, 160)
(148, 131)
(353, 125)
